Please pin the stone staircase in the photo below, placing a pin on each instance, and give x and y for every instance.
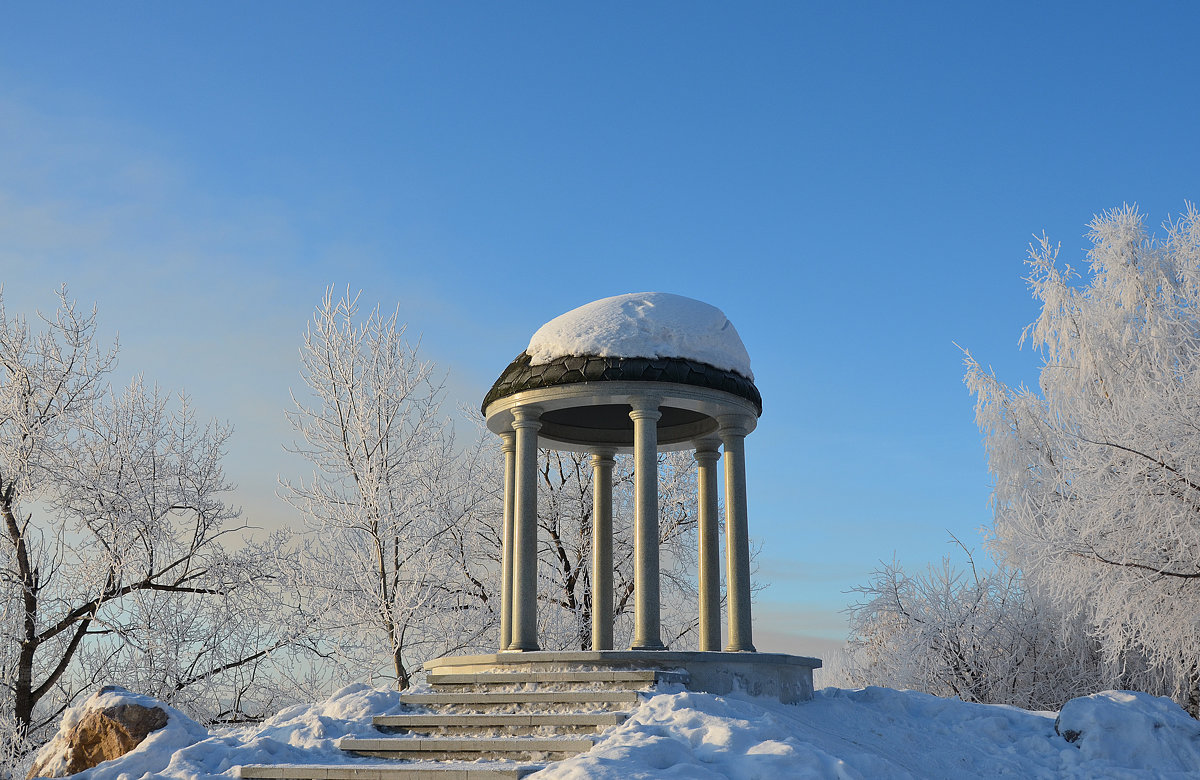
(488, 725)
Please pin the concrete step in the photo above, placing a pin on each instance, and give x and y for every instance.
(395, 771)
(468, 749)
(506, 723)
(599, 679)
(522, 700)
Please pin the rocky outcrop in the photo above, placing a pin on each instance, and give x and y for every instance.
(104, 728)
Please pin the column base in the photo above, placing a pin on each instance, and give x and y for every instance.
(647, 646)
(746, 649)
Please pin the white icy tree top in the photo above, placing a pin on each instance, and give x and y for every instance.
(645, 325)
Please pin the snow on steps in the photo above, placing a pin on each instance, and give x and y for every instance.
(506, 723)
(523, 723)
(376, 772)
(525, 700)
(454, 748)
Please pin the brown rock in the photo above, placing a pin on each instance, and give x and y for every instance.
(102, 735)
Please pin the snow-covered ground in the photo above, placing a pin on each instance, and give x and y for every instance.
(869, 733)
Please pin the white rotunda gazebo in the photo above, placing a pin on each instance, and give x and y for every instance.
(639, 373)
(636, 373)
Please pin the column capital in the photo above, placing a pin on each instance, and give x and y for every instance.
(707, 450)
(645, 408)
(603, 455)
(527, 417)
(734, 425)
(508, 441)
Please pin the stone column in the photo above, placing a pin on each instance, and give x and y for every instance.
(706, 456)
(508, 445)
(646, 631)
(526, 423)
(733, 431)
(602, 550)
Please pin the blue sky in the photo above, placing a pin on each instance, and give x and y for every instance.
(855, 185)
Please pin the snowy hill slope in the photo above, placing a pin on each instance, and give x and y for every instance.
(869, 733)
(882, 733)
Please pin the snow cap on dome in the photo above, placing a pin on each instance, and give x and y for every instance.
(644, 325)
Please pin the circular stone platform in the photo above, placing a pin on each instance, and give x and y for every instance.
(788, 678)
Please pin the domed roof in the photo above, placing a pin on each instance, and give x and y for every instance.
(643, 325)
(641, 337)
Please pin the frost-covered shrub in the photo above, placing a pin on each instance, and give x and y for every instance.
(981, 636)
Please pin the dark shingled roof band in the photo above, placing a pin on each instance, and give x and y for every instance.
(522, 375)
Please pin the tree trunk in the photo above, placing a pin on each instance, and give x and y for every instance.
(403, 678)
(1193, 692)
(23, 699)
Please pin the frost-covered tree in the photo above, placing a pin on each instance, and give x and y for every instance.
(386, 493)
(113, 567)
(1097, 472)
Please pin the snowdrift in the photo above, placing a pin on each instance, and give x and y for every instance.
(869, 733)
